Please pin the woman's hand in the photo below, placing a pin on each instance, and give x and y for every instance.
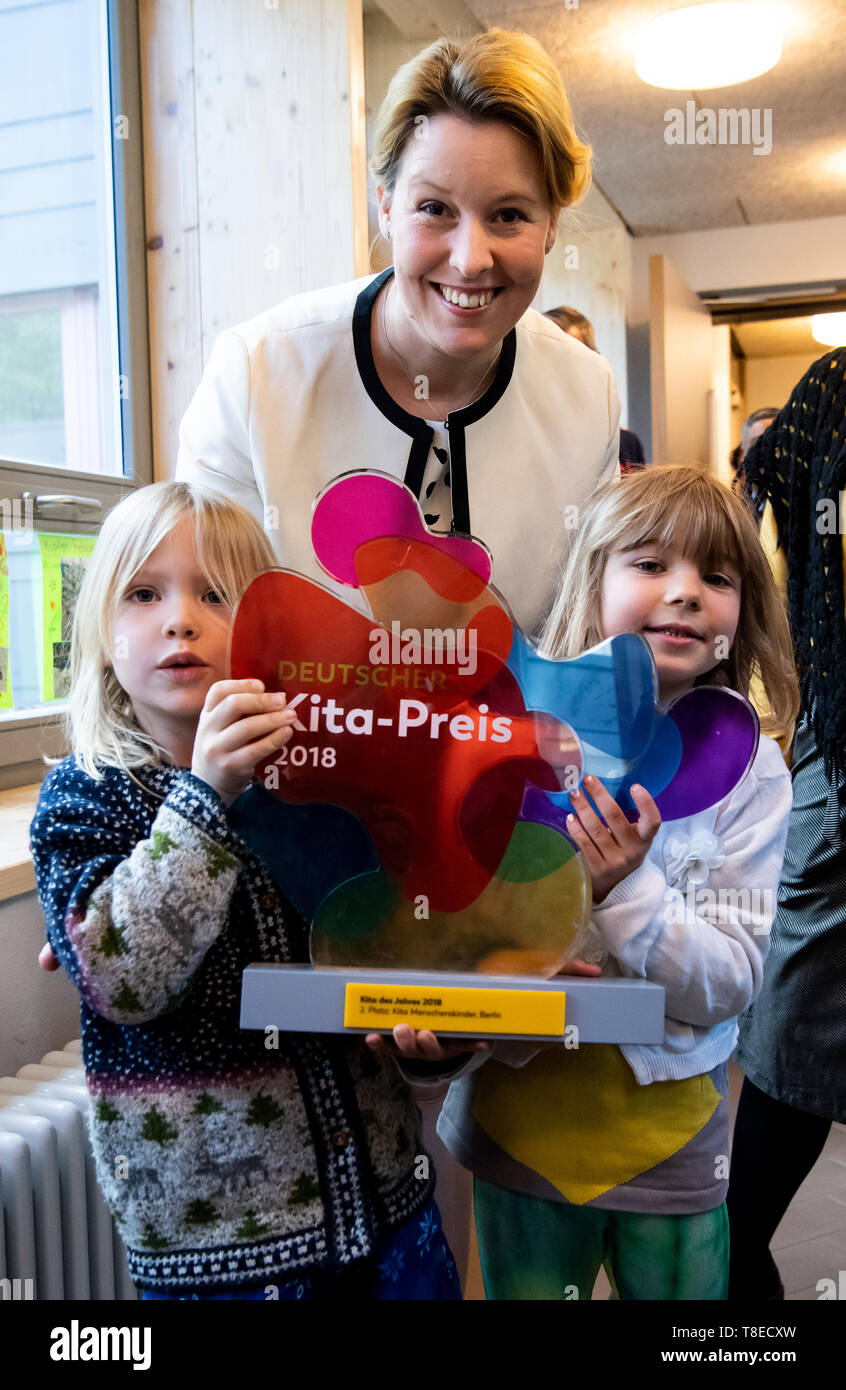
(239, 725)
(422, 1046)
(615, 849)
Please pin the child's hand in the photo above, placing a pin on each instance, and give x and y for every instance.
(46, 959)
(578, 967)
(616, 849)
(422, 1046)
(240, 724)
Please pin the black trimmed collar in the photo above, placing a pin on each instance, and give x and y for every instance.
(412, 424)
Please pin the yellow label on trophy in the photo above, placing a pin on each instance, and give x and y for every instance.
(455, 1009)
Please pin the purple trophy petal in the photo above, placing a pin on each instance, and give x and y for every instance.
(719, 732)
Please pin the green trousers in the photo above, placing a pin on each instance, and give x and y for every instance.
(531, 1248)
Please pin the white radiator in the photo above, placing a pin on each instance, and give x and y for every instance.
(57, 1237)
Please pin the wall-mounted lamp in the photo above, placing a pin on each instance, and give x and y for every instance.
(829, 329)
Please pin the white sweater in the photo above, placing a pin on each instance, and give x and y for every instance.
(696, 916)
(290, 399)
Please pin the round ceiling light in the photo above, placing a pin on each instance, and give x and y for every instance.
(713, 45)
(829, 329)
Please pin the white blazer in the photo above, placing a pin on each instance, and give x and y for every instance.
(291, 399)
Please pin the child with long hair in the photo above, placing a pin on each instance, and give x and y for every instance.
(619, 1155)
(234, 1167)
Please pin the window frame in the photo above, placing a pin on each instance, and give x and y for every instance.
(25, 734)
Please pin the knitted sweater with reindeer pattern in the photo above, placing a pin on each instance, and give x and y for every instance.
(224, 1161)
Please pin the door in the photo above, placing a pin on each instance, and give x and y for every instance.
(681, 351)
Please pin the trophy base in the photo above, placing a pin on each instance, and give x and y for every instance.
(309, 999)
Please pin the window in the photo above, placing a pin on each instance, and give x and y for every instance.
(74, 387)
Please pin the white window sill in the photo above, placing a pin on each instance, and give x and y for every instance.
(28, 718)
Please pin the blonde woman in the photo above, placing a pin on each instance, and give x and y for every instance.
(436, 370)
(233, 1171)
(619, 1155)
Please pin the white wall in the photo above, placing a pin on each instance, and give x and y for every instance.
(770, 380)
(778, 253)
(588, 269)
(720, 405)
(39, 1012)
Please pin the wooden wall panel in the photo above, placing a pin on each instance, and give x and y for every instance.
(170, 201)
(273, 153)
(358, 137)
(254, 155)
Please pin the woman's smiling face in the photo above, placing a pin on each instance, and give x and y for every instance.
(469, 215)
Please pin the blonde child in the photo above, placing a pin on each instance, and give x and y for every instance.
(619, 1155)
(233, 1170)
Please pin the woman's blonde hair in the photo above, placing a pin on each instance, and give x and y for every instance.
(493, 76)
(684, 507)
(100, 723)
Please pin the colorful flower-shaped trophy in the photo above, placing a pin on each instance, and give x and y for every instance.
(417, 818)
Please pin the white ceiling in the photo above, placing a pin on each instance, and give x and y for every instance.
(660, 188)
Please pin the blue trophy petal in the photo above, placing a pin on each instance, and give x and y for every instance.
(657, 767)
(607, 695)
